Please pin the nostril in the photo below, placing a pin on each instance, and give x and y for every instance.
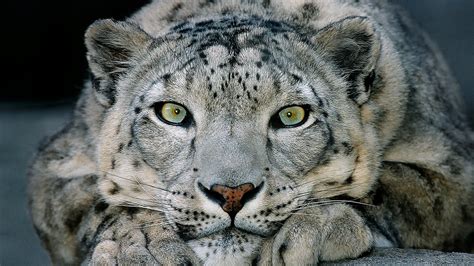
(212, 195)
(251, 194)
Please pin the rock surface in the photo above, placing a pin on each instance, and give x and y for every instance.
(395, 256)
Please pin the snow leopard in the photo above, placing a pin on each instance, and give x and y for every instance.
(268, 132)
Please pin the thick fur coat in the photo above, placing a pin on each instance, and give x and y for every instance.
(383, 156)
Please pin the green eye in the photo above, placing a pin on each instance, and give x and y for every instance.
(171, 113)
(291, 116)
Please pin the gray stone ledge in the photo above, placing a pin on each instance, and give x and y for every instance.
(395, 256)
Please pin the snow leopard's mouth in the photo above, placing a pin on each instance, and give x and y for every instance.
(242, 225)
(258, 211)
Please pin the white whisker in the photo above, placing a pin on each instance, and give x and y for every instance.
(134, 181)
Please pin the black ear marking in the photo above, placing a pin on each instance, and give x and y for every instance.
(369, 81)
(112, 48)
(353, 46)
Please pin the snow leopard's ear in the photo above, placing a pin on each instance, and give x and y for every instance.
(113, 47)
(353, 45)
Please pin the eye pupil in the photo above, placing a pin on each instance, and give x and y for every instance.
(177, 111)
(289, 114)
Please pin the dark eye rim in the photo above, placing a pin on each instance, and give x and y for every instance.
(187, 121)
(276, 122)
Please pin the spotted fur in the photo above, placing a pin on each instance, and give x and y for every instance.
(384, 158)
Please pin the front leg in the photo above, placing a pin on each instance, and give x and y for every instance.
(324, 233)
(128, 237)
(78, 227)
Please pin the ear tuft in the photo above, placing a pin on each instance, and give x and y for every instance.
(353, 46)
(112, 48)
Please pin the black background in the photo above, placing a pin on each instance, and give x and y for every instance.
(43, 68)
(45, 47)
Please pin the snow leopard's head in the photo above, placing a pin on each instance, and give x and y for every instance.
(235, 121)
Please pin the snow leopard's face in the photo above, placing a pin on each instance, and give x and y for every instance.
(231, 124)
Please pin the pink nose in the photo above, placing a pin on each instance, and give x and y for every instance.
(233, 196)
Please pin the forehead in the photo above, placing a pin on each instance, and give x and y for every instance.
(228, 42)
(234, 62)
